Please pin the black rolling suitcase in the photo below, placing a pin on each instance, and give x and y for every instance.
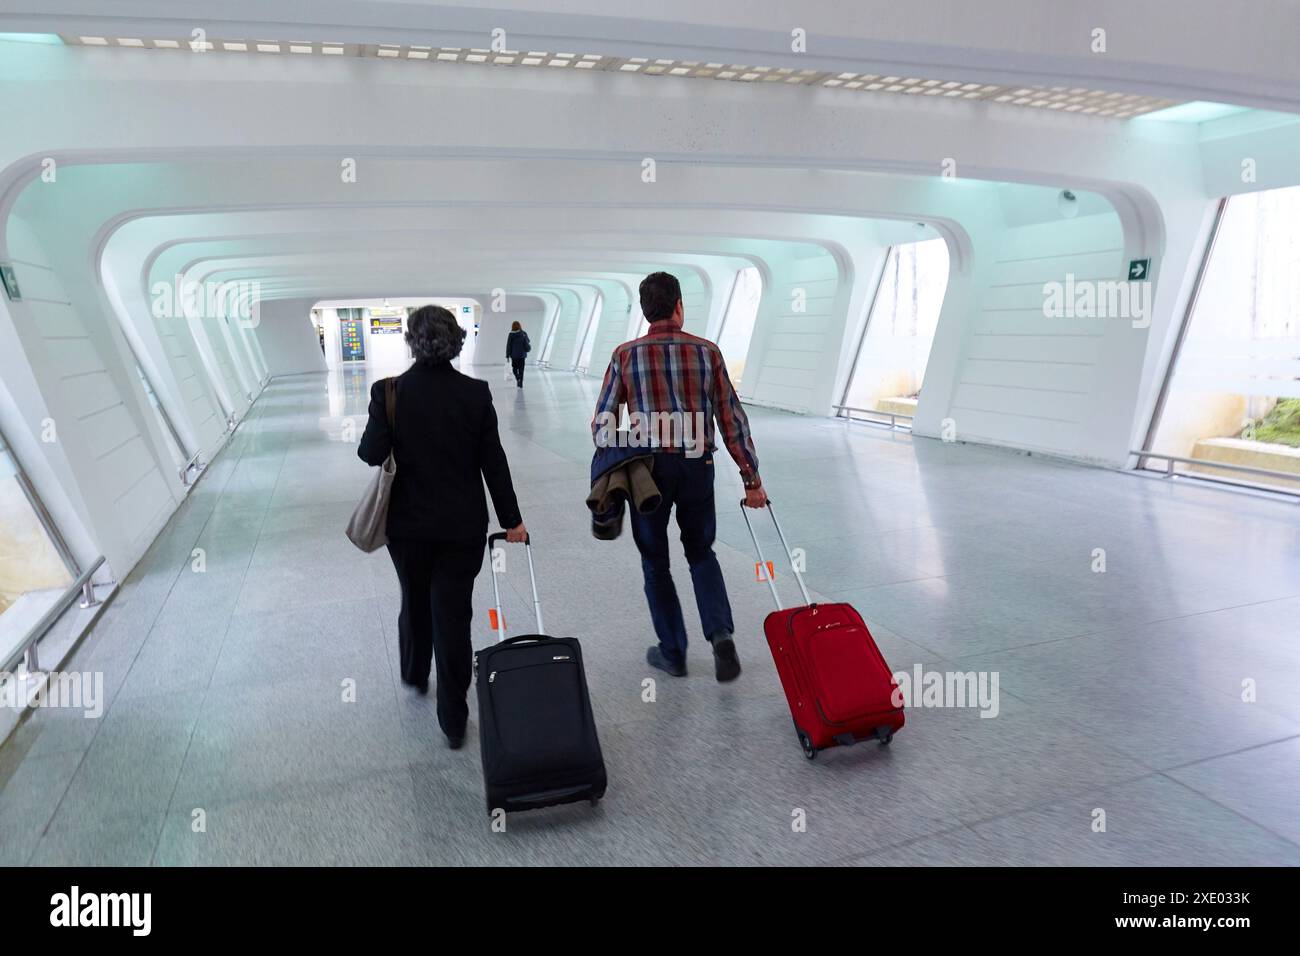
(536, 731)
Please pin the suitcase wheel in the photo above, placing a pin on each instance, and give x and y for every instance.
(884, 735)
(806, 743)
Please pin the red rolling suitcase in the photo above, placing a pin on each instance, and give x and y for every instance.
(838, 685)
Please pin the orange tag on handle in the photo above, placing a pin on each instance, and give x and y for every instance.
(758, 571)
(492, 618)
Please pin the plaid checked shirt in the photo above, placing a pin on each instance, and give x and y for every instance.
(668, 370)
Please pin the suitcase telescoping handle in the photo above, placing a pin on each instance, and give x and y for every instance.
(758, 549)
(496, 588)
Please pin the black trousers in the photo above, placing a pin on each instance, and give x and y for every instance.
(437, 579)
(518, 365)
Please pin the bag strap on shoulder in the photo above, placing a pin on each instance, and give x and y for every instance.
(390, 401)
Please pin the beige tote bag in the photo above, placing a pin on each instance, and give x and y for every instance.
(367, 528)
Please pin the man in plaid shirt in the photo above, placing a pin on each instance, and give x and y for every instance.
(674, 385)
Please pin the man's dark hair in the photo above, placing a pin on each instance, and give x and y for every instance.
(434, 335)
(660, 293)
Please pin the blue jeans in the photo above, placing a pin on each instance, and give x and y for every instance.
(687, 485)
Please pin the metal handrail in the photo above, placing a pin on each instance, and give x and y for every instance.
(27, 646)
(192, 465)
(892, 416)
(1171, 460)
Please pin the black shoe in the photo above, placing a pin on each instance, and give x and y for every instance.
(422, 687)
(725, 662)
(655, 658)
(455, 743)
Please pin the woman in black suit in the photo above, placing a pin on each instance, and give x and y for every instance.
(445, 444)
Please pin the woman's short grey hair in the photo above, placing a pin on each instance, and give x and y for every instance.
(434, 335)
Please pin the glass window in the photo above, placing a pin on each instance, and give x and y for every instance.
(589, 340)
(738, 323)
(890, 366)
(549, 346)
(32, 573)
(1234, 393)
(164, 423)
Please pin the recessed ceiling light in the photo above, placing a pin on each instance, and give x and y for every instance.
(1079, 100)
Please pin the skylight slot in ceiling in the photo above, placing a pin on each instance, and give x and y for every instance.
(1080, 101)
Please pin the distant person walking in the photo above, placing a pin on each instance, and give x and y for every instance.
(517, 349)
(679, 383)
(445, 444)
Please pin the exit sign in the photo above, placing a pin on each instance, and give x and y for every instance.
(1138, 269)
(10, 280)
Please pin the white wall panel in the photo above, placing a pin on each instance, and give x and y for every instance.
(797, 326)
(612, 331)
(1021, 368)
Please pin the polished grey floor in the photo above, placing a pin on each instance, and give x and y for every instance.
(229, 740)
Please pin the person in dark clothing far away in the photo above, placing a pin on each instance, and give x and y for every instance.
(446, 445)
(678, 383)
(517, 349)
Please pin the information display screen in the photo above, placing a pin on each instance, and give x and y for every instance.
(352, 340)
(386, 321)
